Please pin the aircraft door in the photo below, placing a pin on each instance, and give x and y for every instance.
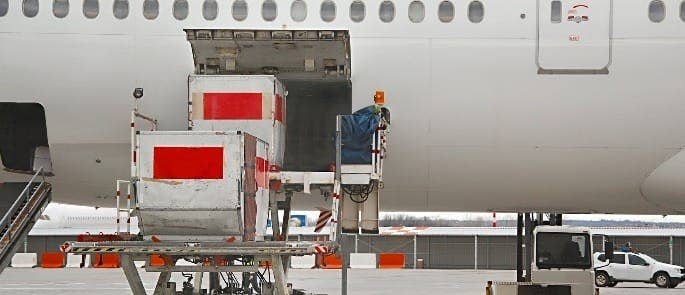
(574, 36)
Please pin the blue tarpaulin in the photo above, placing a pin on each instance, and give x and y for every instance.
(357, 135)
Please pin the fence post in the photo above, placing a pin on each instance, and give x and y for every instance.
(670, 249)
(356, 243)
(475, 251)
(414, 251)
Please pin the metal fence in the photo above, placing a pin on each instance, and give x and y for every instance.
(494, 252)
(448, 252)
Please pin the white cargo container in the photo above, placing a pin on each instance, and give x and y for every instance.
(251, 103)
(202, 185)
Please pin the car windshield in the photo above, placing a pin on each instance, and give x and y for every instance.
(563, 250)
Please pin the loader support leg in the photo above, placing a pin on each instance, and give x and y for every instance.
(273, 206)
(197, 285)
(369, 213)
(160, 287)
(132, 275)
(214, 282)
(286, 228)
(279, 275)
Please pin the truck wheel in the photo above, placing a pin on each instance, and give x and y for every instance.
(602, 279)
(662, 280)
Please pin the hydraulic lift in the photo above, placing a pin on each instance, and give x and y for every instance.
(211, 258)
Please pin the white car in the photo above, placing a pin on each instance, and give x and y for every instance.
(635, 267)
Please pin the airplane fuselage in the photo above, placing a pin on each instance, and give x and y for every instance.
(478, 123)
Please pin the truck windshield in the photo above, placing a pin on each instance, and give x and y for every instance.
(563, 250)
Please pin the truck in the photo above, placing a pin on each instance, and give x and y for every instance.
(562, 264)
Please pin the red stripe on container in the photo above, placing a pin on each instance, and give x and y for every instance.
(262, 174)
(280, 112)
(188, 163)
(232, 106)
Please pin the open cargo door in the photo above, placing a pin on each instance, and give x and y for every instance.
(314, 67)
(284, 53)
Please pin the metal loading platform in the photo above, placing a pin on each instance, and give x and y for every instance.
(254, 260)
(21, 204)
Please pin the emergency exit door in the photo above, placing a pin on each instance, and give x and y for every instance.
(574, 35)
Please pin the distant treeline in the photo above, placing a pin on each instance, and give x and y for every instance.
(411, 221)
(389, 220)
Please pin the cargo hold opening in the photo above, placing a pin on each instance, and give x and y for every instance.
(24, 144)
(313, 65)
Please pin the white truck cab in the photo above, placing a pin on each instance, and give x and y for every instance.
(635, 267)
(563, 255)
(562, 264)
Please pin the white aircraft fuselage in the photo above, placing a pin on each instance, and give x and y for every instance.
(506, 114)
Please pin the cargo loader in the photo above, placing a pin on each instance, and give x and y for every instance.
(203, 196)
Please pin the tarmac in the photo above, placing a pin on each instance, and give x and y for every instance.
(362, 281)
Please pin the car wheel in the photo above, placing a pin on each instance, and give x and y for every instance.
(662, 280)
(602, 279)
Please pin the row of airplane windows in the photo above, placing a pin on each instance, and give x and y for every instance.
(210, 8)
(298, 10)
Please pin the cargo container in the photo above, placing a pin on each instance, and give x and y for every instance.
(202, 185)
(255, 104)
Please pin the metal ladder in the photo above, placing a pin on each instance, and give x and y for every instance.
(22, 215)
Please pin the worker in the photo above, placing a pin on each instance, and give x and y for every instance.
(626, 247)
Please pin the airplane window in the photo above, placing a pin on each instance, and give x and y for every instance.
(150, 9)
(121, 9)
(29, 8)
(239, 10)
(269, 12)
(328, 11)
(298, 10)
(657, 11)
(60, 8)
(180, 9)
(682, 11)
(210, 9)
(91, 8)
(555, 15)
(417, 11)
(386, 12)
(476, 11)
(446, 11)
(4, 7)
(357, 11)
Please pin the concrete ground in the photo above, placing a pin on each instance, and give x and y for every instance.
(362, 281)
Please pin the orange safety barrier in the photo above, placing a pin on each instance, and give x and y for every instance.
(156, 260)
(52, 260)
(331, 262)
(390, 260)
(107, 260)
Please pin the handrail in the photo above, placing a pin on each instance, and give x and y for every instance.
(15, 206)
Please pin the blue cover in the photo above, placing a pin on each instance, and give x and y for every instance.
(357, 135)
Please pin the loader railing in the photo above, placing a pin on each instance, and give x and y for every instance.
(21, 216)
